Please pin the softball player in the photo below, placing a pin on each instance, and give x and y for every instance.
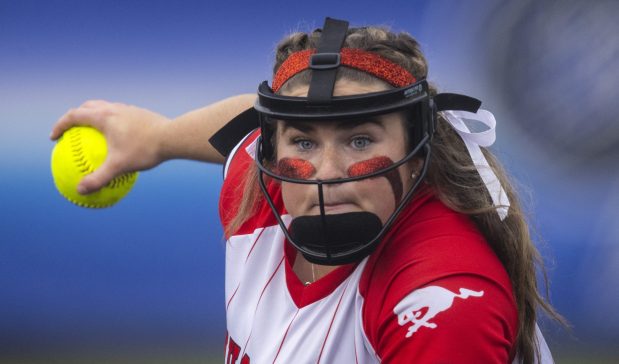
(365, 222)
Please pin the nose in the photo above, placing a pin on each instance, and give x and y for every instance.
(331, 164)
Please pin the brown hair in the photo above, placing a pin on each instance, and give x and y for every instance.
(451, 172)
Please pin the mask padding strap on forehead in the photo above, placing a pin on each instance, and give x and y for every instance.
(325, 62)
(323, 218)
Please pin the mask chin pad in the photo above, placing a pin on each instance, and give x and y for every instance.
(326, 239)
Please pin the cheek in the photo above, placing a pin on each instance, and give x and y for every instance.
(295, 197)
(375, 164)
(295, 168)
(369, 166)
(293, 194)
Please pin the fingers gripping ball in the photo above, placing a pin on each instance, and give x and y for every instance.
(79, 152)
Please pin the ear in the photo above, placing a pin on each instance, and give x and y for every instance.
(415, 165)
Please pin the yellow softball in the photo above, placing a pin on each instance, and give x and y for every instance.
(79, 152)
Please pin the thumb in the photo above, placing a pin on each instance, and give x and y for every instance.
(98, 179)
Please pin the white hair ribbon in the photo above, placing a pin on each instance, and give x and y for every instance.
(473, 141)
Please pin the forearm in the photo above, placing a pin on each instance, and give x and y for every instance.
(186, 137)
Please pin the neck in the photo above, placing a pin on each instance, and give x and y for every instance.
(310, 272)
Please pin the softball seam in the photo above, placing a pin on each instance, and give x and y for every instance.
(84, 165)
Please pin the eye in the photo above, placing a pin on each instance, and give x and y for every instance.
(304, 144)
(360, 142)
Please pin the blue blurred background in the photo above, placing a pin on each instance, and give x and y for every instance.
(143, 281)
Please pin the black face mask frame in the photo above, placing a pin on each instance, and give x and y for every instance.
(416, 103)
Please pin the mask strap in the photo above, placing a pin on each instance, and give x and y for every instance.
(323, 218)
(326, 61)
(481, 139)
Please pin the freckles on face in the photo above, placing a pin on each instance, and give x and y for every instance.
(375, 164)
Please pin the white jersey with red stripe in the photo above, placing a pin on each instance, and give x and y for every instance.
(433, 291)
(274, 321)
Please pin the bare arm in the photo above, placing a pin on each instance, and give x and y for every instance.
(139, 139)
(187, 136)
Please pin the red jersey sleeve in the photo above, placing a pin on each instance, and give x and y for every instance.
(459, 319)
(436, 293)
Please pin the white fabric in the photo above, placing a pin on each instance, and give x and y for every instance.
(265, 322)
(481, 139)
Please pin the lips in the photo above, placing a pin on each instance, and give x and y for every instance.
(335, 206)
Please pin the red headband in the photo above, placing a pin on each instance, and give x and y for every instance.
(362, 60)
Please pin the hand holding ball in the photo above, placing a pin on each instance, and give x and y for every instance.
(79, 152)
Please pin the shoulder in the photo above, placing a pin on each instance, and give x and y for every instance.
(431, 241)
(433, 280)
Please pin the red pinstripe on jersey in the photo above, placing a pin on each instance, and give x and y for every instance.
(260, 299)
(234, 294)
(331, 324)
(248, 254)
(254, 245)
(285, 335)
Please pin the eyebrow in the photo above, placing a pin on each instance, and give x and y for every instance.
(308, 126)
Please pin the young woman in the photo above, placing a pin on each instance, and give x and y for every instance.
(364, 223)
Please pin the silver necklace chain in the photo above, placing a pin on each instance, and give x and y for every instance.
(313, 276)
